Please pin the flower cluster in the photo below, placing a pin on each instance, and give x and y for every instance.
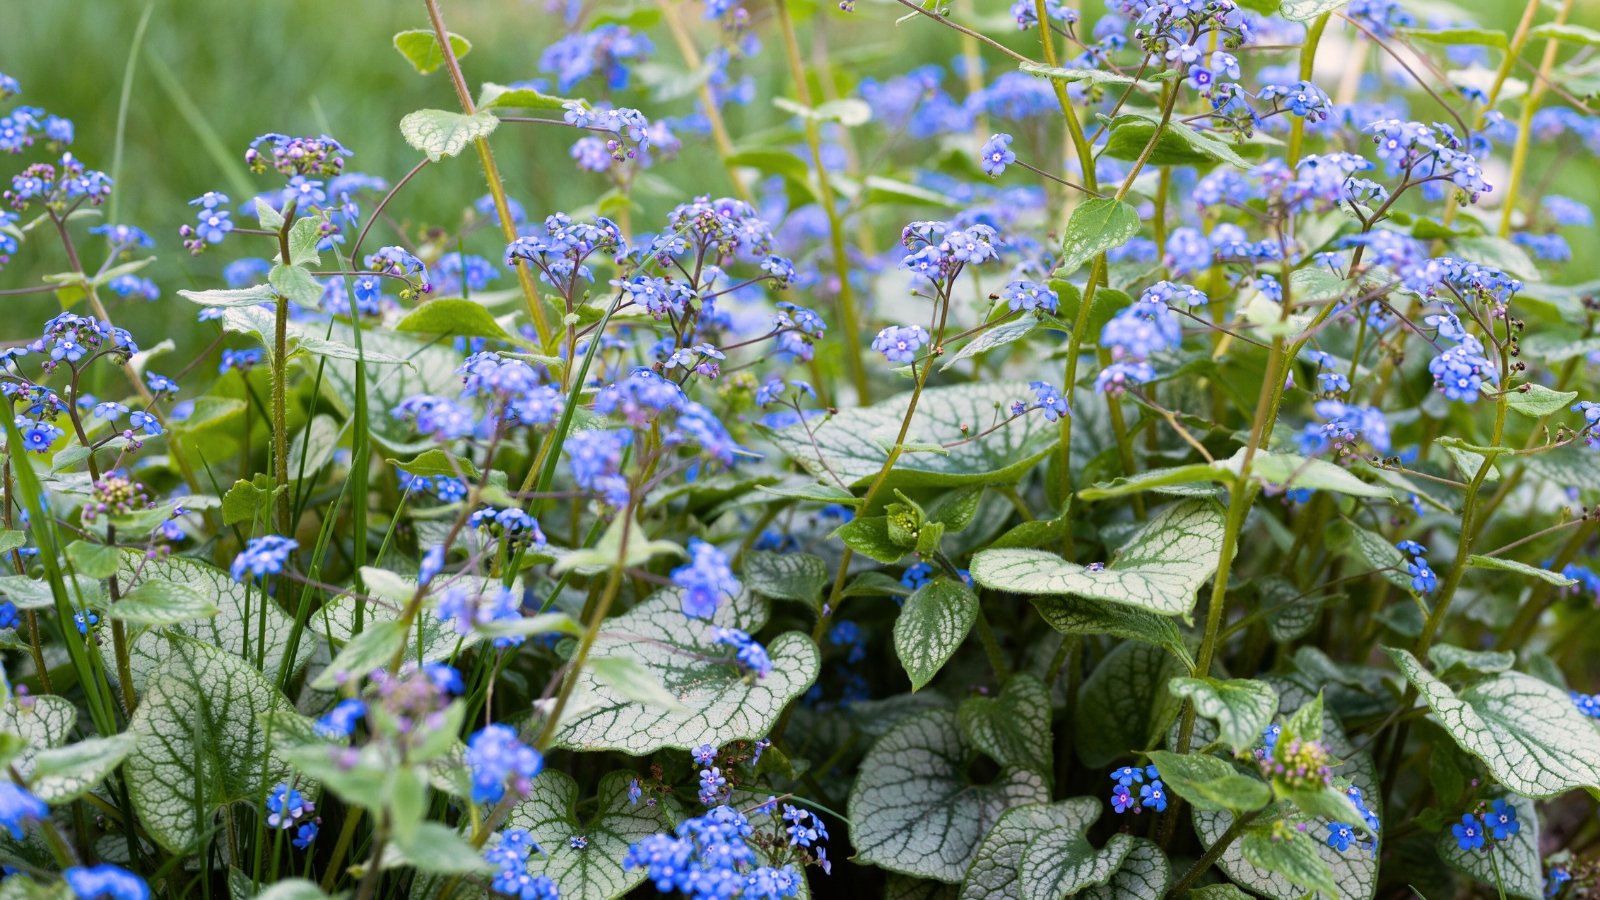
(1150, 791)
(1498, 822)
(710, 857)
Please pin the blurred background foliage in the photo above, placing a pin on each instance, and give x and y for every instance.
(209, 76)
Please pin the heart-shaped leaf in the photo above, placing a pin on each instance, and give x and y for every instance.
(612, 824)
(931, 626)
(915, 810)
(1159, 569)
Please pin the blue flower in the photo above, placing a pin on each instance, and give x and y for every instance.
(1122, 799)
(916, 575)
(105, 882)
(1502, 820)
(1469, 836)
(286, 807)
(1154, 796)
(306, 835)
(899, 343)
(996, 155)
(1020, 295)
(1339, 835)
(705, 581)
(495, 755)
(263, 556)
(19, 807)
(341, 721)
(704, 755)
(749, 654)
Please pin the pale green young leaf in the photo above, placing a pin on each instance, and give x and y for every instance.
(1566, 32)
(439, 133)
(453, 316)
(1095, 226)
(1536, 401)
(1210, 783)
(1291, 855)
(420, 47)
(372, 649)
(997, 336)
(499, 96)
(93, 560)
(63, 774)
(162, 603)
(633, 682)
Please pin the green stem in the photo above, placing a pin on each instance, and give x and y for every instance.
(1308, 55)
(280, 392)
(991, 647)
(1519, 151)
(719, 129)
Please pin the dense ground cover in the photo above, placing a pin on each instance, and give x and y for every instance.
(1151, 451)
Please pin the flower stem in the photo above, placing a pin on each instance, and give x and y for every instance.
(1519, 150)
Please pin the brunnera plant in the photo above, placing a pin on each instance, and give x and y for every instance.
(1104, 465)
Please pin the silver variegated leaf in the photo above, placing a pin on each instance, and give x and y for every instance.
(719, 702)
(915, 811)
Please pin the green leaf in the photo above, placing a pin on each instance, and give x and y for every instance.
(453, 316)
(1306, 10)
(437, 849)
(1158, 569)
(1179, 145)
(420, 47)
(1571, 466)
(931, 627)
(1076, 615)
(1095, 226)
(853, 443)
(1477, 561)
(439, 133)
(1292, 855)
(1223, 891)
(1536, 401)
(11, 539)
(1012, 729)
(1241, 707)
(869, 536)
(250, 296)
(1124, 706)
(93, 560)
(1288, 470)
(1552, 347)
(291, 282)
(304, 236)
(1457, 37)
(848, 112)
(267, 216)
(499, 96)
(998, 336)
(1036, 532)
(249, 501)
(437, 463)
(1372, 549)
(292, 889)
(1448, 658)
(608, 552)
(162, 603)
(914, 808)
(786, 576)
(805, 489)
(1572, 34)
(313, 446)
(1041, 852)
(201, 742)
(613, 823)
(372, 649)
(721, 703)
(1527, 732)
(1521, 871)
(63, 774)
(1210, 783)
(1095, 77)
(1156, 480)
(1144, 873)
